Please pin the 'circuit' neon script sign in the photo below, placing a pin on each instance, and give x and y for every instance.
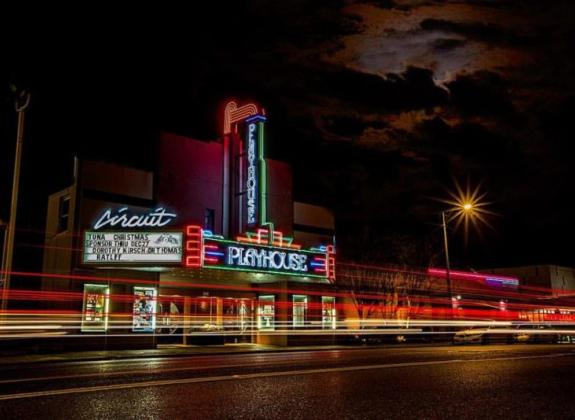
(155, 218)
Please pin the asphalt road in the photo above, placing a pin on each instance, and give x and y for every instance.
(507, 381)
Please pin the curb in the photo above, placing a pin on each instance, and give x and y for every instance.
(60, 357)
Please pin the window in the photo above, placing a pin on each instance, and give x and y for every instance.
(328, 314)
(299, 310)
(209, 218)
(266, 313)
(95, 311)
(63, 213)
(206, 316)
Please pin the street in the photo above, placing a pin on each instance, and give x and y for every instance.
(511, 381)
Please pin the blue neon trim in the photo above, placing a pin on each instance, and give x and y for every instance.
(256, 117)
(215, 253)
(322, 248)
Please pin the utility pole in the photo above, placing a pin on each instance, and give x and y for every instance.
(447, 274)
(20, 104)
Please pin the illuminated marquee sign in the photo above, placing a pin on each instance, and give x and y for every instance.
(132, 247)
(221, 253)
(255, 174)
(121, 217)
(255, 252)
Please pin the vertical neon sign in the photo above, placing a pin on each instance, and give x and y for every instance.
(252, 176)
(256, 172)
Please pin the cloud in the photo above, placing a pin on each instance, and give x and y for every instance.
(449, 38)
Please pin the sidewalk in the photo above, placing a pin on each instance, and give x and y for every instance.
(161, 351)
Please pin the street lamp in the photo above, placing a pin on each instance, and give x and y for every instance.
(20, 104)
(3, 227)
(465, 207)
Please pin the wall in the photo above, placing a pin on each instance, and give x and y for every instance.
(313, 225)
(116, 179)
(58, 245)
(560, 279)
(189, 178)
(279, 195)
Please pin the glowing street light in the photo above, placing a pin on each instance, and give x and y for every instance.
(465, 207)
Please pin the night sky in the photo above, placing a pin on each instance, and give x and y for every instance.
(380, 106)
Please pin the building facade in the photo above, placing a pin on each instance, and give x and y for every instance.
(552, 280)
(208, 247)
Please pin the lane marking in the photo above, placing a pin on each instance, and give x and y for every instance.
(89, 389)
(299, 353)
(158, 371)
(149, 371)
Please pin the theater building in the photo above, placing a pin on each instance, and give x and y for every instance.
(210, 246)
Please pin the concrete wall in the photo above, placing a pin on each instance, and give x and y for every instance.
(560, 279)
(116, 179)
(189, 178)
(279, 195)
(58, 245)
(313, 225)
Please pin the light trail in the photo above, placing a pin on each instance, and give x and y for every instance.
(423, 316)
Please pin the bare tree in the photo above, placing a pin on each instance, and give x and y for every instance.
(381, 291)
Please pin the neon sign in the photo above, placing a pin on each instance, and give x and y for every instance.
(223, 254)
(252, 183)
(234, 114)
(155, 218)
(490, 279)
(263, 258)
(256, 171)
(257, 252)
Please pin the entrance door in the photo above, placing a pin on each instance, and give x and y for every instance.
(238, 319)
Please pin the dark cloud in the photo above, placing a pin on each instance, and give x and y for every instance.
(491, 33)
(412, 89)
(482, 93)
(446, 44)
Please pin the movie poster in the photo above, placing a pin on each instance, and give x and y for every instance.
(144, 312)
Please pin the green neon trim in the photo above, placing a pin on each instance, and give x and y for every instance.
(284, 273)
(263, 175)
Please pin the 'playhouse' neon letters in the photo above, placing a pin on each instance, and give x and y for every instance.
(266, 258)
